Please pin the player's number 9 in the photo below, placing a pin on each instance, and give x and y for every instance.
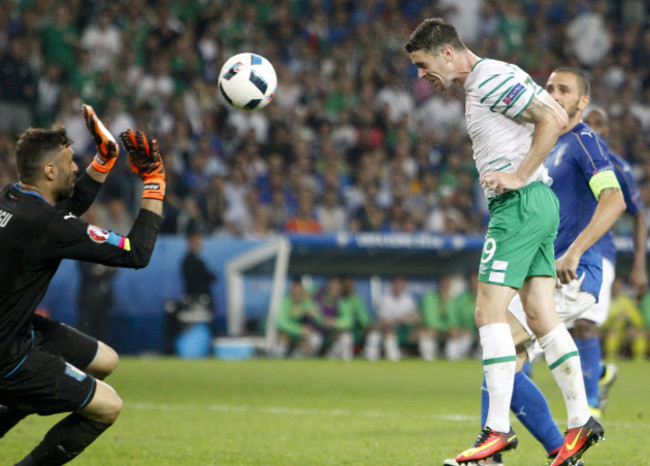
(489, 248)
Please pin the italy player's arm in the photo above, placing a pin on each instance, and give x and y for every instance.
(611, 205)
(550, 121)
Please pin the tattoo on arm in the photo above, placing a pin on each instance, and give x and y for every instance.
(534, 112)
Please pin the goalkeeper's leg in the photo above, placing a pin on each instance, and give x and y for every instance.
(105, 361)
(76, 348)
(9, 417)
(67, 439)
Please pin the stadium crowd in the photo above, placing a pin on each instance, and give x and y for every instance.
(353, 141)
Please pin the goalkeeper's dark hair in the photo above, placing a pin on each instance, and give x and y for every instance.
(433, 33)
(37, 145)
(584, 88)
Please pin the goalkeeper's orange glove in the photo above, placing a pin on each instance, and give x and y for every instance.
(146, 161)
(107, 148)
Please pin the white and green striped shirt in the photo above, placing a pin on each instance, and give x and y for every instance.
(495, 94)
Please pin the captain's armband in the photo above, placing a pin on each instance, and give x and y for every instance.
(603, 180)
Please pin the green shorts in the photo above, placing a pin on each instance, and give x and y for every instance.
(519, 240)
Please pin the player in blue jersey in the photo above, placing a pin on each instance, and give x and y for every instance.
(590, 202)
(597, 119)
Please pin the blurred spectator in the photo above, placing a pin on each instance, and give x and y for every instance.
(370, 216)
(392, 100)
(191, 319)
(236, 190)
(49, 88)
(113, 215)
(441, 112)
(338, 339)
(304, 222)
(198, 280)
(60, 36)
(624, 326)
(298, 324)
(433, 305)
(397, 310)
(157, 84)
(261, 227)
(461, 325)
(103, 40)
(330, 214)
(397, 219)
(644, 307)
(353, 317)
(588, 35)
(17, 88)
(466, 15)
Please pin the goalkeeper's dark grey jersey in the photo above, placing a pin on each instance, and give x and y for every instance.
(35, 236)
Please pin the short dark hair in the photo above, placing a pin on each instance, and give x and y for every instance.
(34, 146)
(584, 88)
(433, 33)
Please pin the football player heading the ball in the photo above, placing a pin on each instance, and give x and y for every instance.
(513, 124)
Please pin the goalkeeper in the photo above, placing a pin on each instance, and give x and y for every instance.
(47, 367)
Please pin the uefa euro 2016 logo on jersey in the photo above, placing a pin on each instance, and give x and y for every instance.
(512, 95)
(98, 235)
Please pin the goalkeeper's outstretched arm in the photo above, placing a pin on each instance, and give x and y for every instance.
(73, 238)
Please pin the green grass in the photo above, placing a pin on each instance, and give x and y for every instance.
(269, 412)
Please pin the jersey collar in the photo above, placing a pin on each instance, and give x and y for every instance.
(27, 191)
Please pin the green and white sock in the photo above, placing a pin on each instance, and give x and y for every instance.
(563, 359)
(499, 361)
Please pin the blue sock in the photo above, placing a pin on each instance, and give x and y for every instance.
(527, 369)
(590, 353)
(531, 408)
(485, 402)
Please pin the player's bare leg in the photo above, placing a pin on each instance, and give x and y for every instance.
(104, 363)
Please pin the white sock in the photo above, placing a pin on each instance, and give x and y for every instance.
(391, 348)
(563, 359)
(335, 348)
(347, 346)
(371, 350)
(315, 341)
(458, 347)
(427, 347)
(280, 349)
(499, 361)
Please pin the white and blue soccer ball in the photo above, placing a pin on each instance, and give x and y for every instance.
(248, 81)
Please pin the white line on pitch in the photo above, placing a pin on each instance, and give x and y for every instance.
(286, 410)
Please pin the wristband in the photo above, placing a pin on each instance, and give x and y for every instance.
(154, 187)
(102, 164)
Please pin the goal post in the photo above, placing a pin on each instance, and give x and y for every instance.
(278, 249)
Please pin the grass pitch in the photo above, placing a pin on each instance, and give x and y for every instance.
(318, 412)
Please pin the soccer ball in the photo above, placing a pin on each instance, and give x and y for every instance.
(247, 81)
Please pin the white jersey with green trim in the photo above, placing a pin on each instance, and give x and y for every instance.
(495, 94)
